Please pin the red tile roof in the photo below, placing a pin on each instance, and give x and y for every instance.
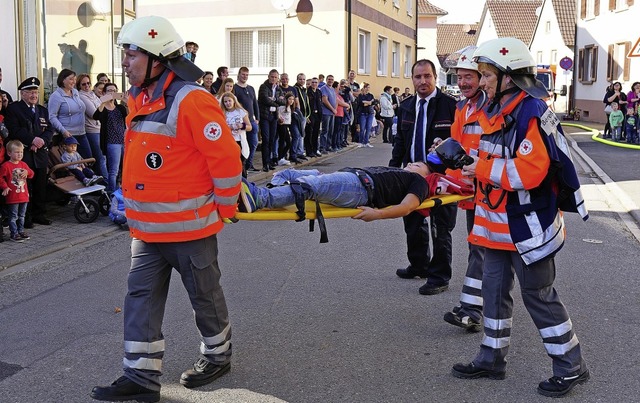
(426, 8)
(566, 13)
(452, 37)
(514, 18)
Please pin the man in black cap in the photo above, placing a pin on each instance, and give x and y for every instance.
(29, 122)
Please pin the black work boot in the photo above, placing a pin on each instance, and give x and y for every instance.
(124, 389)
(203, 372)
(470, 371)
(557, 386)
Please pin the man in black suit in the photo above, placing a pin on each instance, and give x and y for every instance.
(422, 119)
(29, 122)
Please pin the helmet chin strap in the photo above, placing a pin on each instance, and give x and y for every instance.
(148, 80)
(499, 94)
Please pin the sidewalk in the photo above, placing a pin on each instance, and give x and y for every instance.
(66, 231)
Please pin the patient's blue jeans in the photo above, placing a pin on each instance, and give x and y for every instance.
(342, 189)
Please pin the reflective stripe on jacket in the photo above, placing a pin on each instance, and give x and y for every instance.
(182, 167)
(466, 130)
(518, 208)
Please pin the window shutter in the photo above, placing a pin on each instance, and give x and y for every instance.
(581, 65)
(629, 3)
(596, 7)
(627, 62)
(594, 65)
(612, 5)
(610, 62)
(583, 9)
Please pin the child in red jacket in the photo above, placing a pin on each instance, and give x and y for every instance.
(13, 182)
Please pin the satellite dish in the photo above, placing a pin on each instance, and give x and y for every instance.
(86, 14)
(466, 28)
(282, 4)
(304, 11)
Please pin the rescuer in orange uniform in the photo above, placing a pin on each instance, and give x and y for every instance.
(467, 130)
(524, 178)
(181, 178)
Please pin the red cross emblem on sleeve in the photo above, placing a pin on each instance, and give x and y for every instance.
(525, 147)
(463, 58)
(152, 33)
(504, 51)
(212, 131)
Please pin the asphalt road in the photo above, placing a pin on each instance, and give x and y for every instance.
(321, 322)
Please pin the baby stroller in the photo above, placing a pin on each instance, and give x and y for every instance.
(90, 200)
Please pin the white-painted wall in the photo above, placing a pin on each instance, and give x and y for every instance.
(598, 31)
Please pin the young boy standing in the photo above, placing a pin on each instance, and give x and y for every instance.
(631, 126)
(13, 181)
(615, 120)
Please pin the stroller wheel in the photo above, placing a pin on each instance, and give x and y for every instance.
(88, 214)
(105, 204)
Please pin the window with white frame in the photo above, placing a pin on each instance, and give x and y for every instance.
(547, 27)
(258, 49)
(407, 61)
(539, 58)
(554, 56)
(395, 59)
(621, 5)
(409, 7)
(364, 52)
(590, 8)
(383, 56)
(396, 3)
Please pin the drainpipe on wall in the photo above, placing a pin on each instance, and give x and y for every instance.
(349, 35)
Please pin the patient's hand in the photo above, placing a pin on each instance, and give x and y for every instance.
(368, 214)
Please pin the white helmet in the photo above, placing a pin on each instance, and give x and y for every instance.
(461, 59)
(157, 37)
(512, 57)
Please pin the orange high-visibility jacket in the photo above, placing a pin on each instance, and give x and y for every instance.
(510, 163)
(182, 167)
(466, 130)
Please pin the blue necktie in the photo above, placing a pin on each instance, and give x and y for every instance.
(418, 140)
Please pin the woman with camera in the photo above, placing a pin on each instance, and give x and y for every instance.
(112, 117)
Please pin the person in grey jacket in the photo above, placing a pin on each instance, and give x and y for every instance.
(91, 125)
(387, 113)
(66, 111)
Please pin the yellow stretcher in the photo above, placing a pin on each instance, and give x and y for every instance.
(330, 211)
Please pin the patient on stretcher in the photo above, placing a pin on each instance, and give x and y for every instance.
(369, 189)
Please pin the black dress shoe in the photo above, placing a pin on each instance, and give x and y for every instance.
(203, 372)
(272, 167)
(411, 272)
(42, 220)
(124, 389)
(470, 371)
(253, 169)
(265, 169)
(433, 289)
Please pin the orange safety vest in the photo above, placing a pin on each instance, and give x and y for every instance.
(466, 130)
(182, 167)
(501, 169)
